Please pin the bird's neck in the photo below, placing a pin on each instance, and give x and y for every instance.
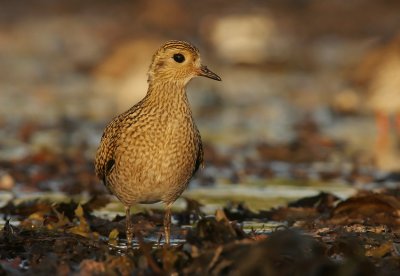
(168, 95)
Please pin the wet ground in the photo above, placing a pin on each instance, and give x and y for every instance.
(244, 213)
(294, 178)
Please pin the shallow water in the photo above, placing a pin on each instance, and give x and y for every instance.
(256, 197)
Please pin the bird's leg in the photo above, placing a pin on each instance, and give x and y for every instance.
(382, 122)
(167, 224)
(129, 230)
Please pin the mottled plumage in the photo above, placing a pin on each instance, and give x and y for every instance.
(149, 153)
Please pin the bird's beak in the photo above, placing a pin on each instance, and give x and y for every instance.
(205, 72)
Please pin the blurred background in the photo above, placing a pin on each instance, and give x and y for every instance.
(310, 88)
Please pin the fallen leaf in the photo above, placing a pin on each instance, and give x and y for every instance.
(370, 209)
(83, 228)
(113, 237)
(380, 251)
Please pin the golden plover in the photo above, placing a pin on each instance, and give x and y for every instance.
(149, 153)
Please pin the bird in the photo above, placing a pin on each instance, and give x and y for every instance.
(385, 91)
(378, 73)
(149, 153)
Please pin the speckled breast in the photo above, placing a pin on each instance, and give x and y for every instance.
(155, 162)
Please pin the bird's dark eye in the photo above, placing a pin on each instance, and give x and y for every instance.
(179, 58)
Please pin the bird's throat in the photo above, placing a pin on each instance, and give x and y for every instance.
(167, 95)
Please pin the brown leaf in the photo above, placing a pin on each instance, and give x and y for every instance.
(91, 267)
(322, 202)
(293, 214)
(119, 265)
(83, 228)
(380, 251)
(368, 209)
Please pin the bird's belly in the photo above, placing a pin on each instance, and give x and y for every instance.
(167, 177)
(155, 172)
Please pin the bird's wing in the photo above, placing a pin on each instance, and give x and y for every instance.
(104, 162)
(199, 160)
(105, 155)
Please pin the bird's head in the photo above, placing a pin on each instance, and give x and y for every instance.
(178, 61)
